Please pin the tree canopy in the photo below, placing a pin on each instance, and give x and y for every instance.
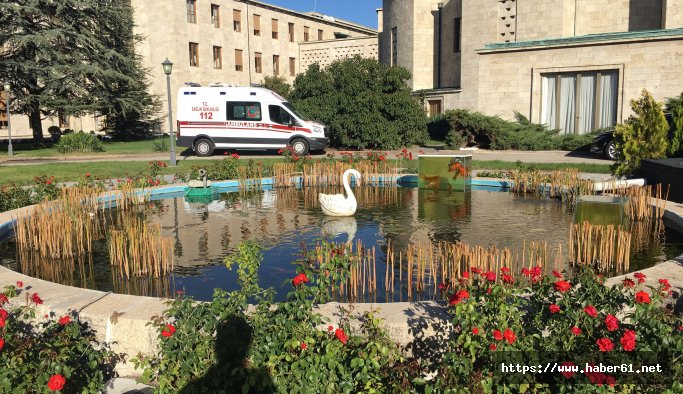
(74, 57)
(364, 103)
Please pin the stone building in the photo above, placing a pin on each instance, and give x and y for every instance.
(233, 42)
(572, 64)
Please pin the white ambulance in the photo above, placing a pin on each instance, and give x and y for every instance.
(243, 118)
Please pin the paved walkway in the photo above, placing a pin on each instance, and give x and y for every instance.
(509, 156)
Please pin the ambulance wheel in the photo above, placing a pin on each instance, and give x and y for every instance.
(203, 147)
(300, 146)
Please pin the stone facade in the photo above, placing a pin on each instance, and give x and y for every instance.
(500, 82)
(169, 28)
(325, 52)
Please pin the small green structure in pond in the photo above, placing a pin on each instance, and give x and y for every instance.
(602, 210)
(445, 172)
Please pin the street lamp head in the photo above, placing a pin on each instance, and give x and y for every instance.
(168, 66)
(440, 5)
(7, 86)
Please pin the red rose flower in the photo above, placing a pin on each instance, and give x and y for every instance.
(2, 323)
(475, 270)
(303, 346)
(628, 283)
(330, 328)
(509, 336)
(554, 308)
(87, 175)
(339, 333)
(466, 275)
(235, 156)
(3, 314)
(3, 299)
(562, 286)
(642, 297)
(641, 278)
(443, 286)
(508, 279)
(665, 284)
(168, 331)
(605, 344)
(64, 320)
(20, 284)
(591, 311)
(612, 323)
(493, 346)
(475, 331)
(567, 371)
(2, 343)
(56, 382)
(557, 274)
(490, 276)
(456, 298)
(505, 270)
(628, 340)
(299, 279)
(497, 335)
(36, 299)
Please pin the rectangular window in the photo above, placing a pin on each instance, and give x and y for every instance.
(238, 60)
(237, 20)
(249, 111)
(257, 25)
(191, 11)
(217, 57)
(306, 34)
(215, 16)
(281, 116)
(276, 64)
(320, 35)
(394, 46)
(257, 63)
(274, 29)
(434, 107)
(194, 54)
(580, 102)
(292, 66)
(457, 23)
(291, 32)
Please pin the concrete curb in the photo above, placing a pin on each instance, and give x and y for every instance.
(122, 320)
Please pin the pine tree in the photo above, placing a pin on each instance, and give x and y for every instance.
(72, 57)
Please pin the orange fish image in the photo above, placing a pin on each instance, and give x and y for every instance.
(431, 182)
(458, 169)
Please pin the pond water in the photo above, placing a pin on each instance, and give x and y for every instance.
(285, 220)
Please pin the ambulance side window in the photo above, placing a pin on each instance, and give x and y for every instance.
(250, 111)
(280, 115)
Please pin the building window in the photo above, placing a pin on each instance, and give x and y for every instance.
(291, 32)
(257, 25)
(457, 23)
(244, 111)
(238, 60)
(217, 57)
(237, 20)
(394, 46)
(257, 63)
(320, 35)
(434, 107)
(215, 16)
(306, 34)
(63, 120)
(194, 54)
(579, 102)
(191, 11)
(275, 29)
(292, 66)
(276, 64)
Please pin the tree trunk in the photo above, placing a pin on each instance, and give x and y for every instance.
(36, 123)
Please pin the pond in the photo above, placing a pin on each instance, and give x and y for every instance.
(284, 221)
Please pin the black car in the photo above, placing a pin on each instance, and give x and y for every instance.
(603, 144)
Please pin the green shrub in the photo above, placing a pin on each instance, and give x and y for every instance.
(643, 136)
(495, 133)
(438, 127)
(13, 197)
(674, 106)
(79, 142)
(161, 145)
(364, 103)
(278, 84)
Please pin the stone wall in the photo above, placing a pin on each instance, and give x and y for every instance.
(673, 14)
(325, 52)
(510, 80)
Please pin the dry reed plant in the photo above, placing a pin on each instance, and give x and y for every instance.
(607, 247)
(643, 202)
(138, 249)
(367, 196)
(565, 184)
(323, 173)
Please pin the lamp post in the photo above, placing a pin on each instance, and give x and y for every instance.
(10, 152)
(168, 68)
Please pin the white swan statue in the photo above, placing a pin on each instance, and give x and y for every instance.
(337, 204)
(335, 227)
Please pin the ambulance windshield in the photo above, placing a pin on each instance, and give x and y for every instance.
(291, 109)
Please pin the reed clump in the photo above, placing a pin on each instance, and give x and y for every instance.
(367, 196)
(329, 173)
(565, 184)
(138, 249)
(605, 246)
(643, 202)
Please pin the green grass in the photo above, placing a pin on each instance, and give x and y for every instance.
(65, 172)
(26, 149)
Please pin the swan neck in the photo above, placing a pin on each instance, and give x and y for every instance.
(346, 181)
